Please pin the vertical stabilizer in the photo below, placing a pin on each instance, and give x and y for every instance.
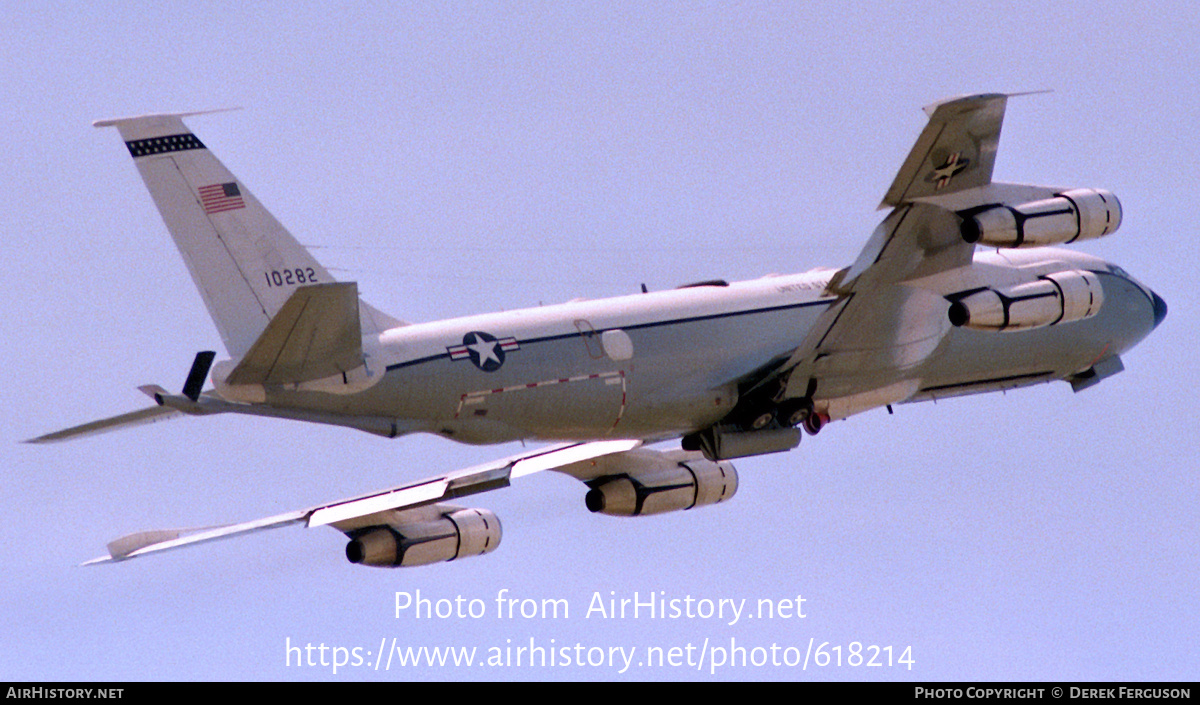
(244, 262)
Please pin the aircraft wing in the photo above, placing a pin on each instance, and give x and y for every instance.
(948, 170)
(956, 150)
(882, 323)
(373, 508)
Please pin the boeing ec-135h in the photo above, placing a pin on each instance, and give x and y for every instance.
(732, 369)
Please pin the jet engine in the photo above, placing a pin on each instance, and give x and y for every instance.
(456, 533)
(651, 482)
(1061, 297)
(1078, 214)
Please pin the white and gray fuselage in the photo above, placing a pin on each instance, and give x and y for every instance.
(667, 363)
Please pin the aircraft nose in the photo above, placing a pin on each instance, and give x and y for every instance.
(1160, 309)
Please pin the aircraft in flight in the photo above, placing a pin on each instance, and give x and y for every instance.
(959, 291)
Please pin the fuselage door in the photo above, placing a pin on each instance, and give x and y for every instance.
(591, 339)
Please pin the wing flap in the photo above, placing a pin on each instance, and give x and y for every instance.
(472, 480)
(913, 241)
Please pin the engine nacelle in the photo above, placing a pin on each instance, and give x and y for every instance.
(1061, 297)
(1078, 214)
(650, 482)
(459, 533)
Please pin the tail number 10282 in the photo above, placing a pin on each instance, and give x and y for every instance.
(288, 277)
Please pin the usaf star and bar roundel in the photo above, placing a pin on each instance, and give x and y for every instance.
(484, 350)
(954, 164)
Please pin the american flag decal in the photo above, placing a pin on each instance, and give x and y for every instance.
(221, 197)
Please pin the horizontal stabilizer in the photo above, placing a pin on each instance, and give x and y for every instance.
(316, 334)
(133, 418)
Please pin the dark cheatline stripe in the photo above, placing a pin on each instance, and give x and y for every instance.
(163, 145)
(655, 324)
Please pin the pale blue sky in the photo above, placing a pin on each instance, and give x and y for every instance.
(456, 158)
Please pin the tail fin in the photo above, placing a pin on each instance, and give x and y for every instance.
(244, 262)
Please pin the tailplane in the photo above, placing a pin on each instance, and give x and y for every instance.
(244, 262)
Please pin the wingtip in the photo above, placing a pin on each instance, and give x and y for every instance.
(55, 437)
(964, 99)
(154, 391)
(969, 97)
(1040, 91)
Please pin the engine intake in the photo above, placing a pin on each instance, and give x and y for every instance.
(459, 533)
(1078, 214)
(1061, 297)
(651, 482)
